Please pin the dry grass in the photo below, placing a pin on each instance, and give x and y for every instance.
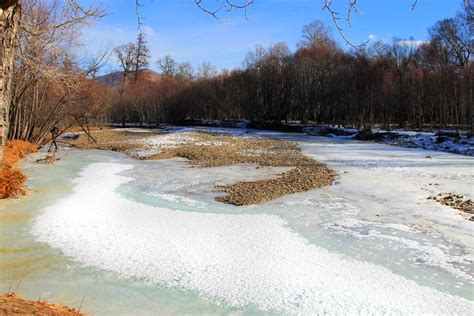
(12, 304)
(15, 150)
(12, 180)
(110, 139)
(12, 183)
(207, 150)
(75, 129)
(229, 150)
(306, 175)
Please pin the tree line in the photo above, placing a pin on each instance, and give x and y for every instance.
(405, 83)
(50, 83)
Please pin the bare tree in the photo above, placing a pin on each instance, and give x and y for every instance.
(97, 62)
(254, 57)
(206, 70)
(142, 58)
(126, 55)
(402, 55)
(10, 25)
(10, 15)
(47, 75)
(315, 33)
(185, 71)
(453, 36)
(167, 65)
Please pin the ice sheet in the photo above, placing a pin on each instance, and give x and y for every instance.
(240, 260)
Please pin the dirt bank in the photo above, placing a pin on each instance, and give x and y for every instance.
(12, 304)
(206, 150)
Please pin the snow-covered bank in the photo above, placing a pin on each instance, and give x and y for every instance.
(440, 140)
(447, 141)
(237, 259)
(451, 141)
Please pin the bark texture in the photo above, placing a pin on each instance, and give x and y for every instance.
(10, 13)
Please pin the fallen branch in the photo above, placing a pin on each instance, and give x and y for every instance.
(49, 159)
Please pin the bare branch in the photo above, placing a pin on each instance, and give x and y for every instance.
(138, 5)
(72, 13)
(227, 6)
(335, 18)
(352, 8)
(97, 62)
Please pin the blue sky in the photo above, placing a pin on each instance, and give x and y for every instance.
(178, 28)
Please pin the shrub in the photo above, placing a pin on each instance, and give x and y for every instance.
(12, 180)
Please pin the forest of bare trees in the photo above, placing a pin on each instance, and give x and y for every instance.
(49, 81)
(405, 83)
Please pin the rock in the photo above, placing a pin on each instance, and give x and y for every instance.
(452, 134)
(70, 136)
(455, 201)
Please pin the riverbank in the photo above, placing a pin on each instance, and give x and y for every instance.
(451, 141)
(12, 180)
(117, 235)
(438, 139)
(12, 304)
(446, 140)
(205, 150)
(156, 221)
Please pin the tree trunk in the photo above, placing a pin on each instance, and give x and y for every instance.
(10, 13)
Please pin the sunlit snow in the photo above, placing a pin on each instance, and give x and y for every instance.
(371, 243)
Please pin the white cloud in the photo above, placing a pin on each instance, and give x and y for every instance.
(372, 37)
(411, 43)
(148, 30)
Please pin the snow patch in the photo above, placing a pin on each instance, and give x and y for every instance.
(239, 260)
(154, 144)
(443, 140)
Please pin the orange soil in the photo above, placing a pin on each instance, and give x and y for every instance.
(11, 304)
(12, 180)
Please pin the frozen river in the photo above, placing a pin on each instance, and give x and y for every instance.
(110, 234)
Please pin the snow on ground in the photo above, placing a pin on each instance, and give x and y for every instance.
(177, 136)
(461, 144)
(135, 130)
(154, 144)
(237, 259)
(371, 243)
(391, 185)
(232, 131)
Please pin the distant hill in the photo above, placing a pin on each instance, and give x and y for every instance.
(115, 78)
